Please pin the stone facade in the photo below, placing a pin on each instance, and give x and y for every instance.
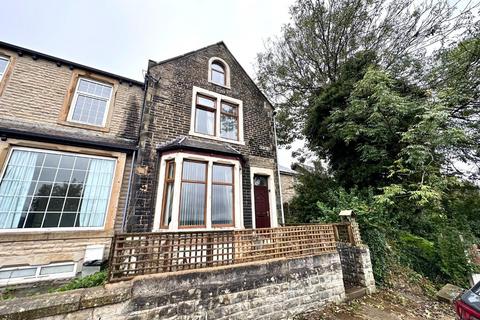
(288, 186)
(34, 96)
(167, 117)
(277, 289)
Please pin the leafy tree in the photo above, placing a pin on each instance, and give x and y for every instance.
(323, 35)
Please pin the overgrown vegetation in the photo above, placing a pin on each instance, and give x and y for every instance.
(387, 94)
(93, 280)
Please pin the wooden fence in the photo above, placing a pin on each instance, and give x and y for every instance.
(135, 254)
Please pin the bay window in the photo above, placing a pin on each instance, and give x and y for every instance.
(168, 193)
(193, 193)
(45, 189)
(202, 193)
(222, 195)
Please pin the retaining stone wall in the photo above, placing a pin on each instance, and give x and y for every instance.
(276, 289)
(356, 266)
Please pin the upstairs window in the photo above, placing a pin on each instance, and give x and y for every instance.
(229, 121)
(3, 66)
(90, 103)
(205, 115)
(217, 117)
(219, 72)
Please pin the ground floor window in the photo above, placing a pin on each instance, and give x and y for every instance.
(26, 274)
(222, 194)
(45, 189)
(193, 194)
(201, 193)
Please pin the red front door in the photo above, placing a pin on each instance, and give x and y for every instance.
(262, 206)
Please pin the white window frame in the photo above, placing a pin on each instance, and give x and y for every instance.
(75, 98)
(272, 197)
(210, 160)
(226, 69)
(219, 98)
(59, 229)
(38, 277)
(6, 67)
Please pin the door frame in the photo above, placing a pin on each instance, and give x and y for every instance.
(272, 197)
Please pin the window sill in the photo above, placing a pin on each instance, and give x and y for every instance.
(206, 136)
(83, 126)
(15, 235)
(190, 229)
(220, 85)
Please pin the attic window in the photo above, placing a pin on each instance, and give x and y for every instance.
(219, 72)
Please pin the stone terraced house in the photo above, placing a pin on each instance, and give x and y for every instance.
(85, 153)
(68, 133)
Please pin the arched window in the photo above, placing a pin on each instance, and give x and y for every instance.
(219, 72)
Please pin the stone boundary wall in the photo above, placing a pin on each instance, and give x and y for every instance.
(275, 289)
(356, 266)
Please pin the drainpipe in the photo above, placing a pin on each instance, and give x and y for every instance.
(131, 178)
(278, 168)
(132, 167)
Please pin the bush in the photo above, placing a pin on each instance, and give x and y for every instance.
(453, 259)
(419, 254)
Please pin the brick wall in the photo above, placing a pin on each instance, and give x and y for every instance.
(168, 113)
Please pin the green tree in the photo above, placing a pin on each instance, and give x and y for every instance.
(323, 35)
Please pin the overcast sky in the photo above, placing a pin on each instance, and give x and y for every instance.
(120, 36)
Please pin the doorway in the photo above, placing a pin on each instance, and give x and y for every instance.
(262, 201)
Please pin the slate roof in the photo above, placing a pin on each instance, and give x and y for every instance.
(71, 64)
(286, 170)
(39, 131)
(187, 143)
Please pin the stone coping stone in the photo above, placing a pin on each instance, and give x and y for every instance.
(51, 304)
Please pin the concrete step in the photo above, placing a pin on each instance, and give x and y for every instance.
(354, 293)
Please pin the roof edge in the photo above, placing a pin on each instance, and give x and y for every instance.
(33, 53)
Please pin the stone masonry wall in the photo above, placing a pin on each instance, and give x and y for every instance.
(356, 266)
(276, 289)
(36, 90)
(167, 116)
(288, 187)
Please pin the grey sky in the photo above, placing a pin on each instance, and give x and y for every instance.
(120, 36)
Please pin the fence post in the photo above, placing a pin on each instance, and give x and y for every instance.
(210, 250)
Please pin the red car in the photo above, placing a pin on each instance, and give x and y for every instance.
(468, 304)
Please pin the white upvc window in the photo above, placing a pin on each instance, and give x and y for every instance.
(26, 274)
(90, 103)
(49, 190)
(217, 117)
(197, 191)
(4, 61)
(219, 72)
